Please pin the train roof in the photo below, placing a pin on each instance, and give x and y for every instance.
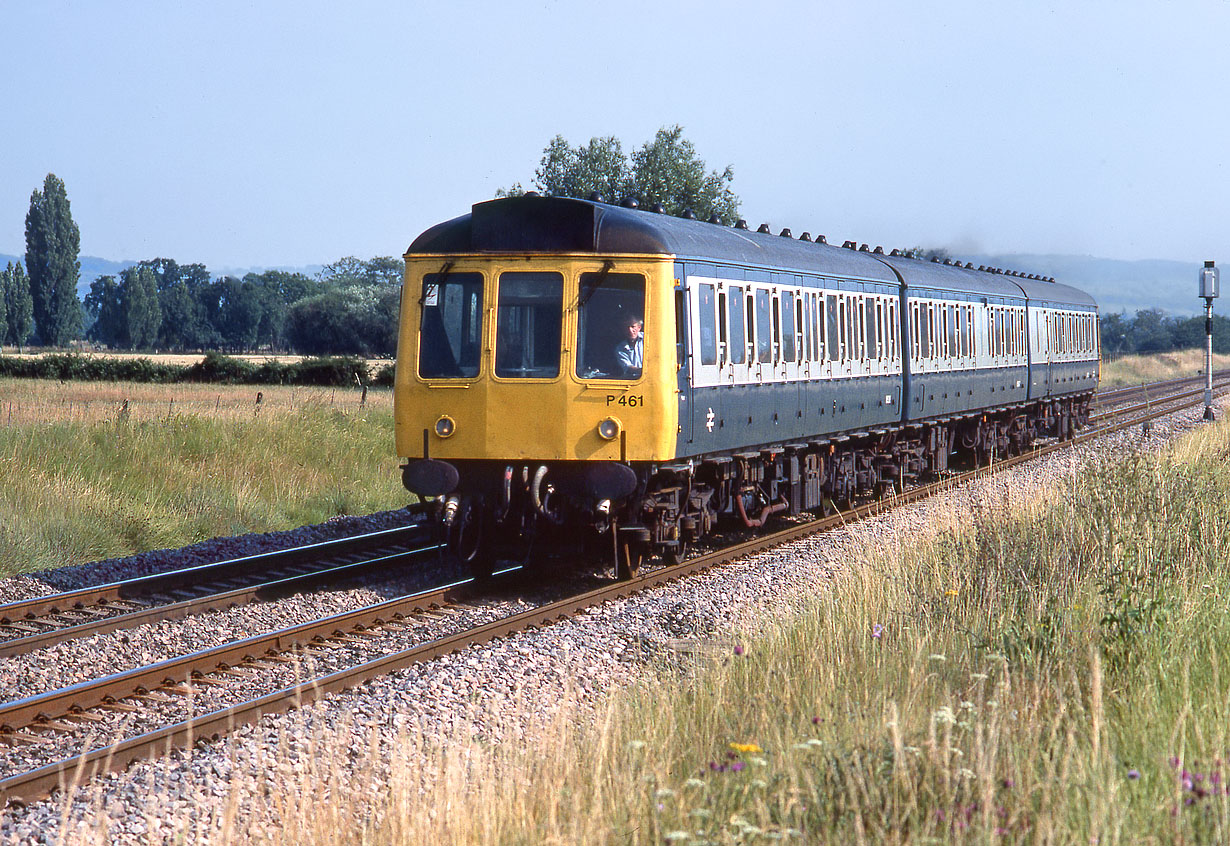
(533, 224)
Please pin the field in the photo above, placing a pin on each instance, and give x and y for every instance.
(1135, 369)
(96, 470)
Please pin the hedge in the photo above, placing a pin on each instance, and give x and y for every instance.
(327, 371)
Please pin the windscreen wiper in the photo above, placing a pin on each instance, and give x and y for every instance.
(588, 291)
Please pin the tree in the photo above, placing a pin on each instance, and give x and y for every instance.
(20, 306)
(102, 304)
(139, 306)
(382, 270)
(666, 170)
(4, 307)
(52, 245)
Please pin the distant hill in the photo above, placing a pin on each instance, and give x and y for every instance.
(92, 267)
(1117, 285)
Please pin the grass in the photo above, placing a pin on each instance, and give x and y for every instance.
(95, 470)
(1135, 369)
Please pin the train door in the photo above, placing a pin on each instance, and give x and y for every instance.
(705, 370)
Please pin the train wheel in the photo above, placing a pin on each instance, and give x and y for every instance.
(466, 540)
(631, 547)
(675, 554)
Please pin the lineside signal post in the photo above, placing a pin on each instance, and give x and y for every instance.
(1209, 290)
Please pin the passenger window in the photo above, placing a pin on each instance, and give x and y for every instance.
(788, 340)
(801, 339)
(451, 328)
(708, 325)
(924, 331)
(609, 305)
(723, 350)
(764, 326)
(817, 326)
(832, 350)
(872, 337)
(738, 348)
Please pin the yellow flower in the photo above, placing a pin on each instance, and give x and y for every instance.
(745, 748)
(952, 592)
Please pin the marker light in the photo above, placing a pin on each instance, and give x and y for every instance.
(445, 426)
(609, 429)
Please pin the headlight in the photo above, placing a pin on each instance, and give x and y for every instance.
(609, 429)
(445, 426)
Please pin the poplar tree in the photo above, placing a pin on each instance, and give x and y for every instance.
(139, 305)
(4, 299)
(19, 306)
(52, 246)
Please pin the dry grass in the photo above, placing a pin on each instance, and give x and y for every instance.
(1135, 369)
(35, 401)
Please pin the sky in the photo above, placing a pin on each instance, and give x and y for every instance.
(250, 134)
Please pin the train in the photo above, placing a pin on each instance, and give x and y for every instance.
(599, 373)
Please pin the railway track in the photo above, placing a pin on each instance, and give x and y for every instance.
(42, 621)
(58, 718)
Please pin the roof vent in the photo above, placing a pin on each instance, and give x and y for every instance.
(764, 227)
(713, 218)
(820, 239)
(864, 249)
(983, 268)
(879, 251)
(688, 214)
(742, 224)
(849, 245)
(595, 197)
(806, 236)
(895, 252)
(658, 208)
(935, 259)
(631, 203)
(785, 233)
(969, 265)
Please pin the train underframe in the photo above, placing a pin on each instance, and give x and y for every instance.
(500, 512)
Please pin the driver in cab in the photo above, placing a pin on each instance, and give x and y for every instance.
(630, 352)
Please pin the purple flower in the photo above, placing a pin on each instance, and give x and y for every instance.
(877, 630)
(1009, 783)
(1174, 762)
(815, 721)
(738, 650)
(1133, 774)
(736, 766)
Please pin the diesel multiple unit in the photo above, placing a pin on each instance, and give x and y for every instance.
(569, 368)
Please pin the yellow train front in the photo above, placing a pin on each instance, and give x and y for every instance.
(533, 374)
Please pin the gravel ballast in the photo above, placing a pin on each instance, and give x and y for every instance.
(495, 691)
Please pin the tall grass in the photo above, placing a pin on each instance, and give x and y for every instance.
(1054, 674)
(111, 470)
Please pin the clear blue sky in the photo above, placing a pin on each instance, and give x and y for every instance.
(279, 133)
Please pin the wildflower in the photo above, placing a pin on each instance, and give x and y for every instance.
(944, 715)
(636, 744)
(664, 792)
(745, 748)
(815, 721)
(1008, 783)
(1133, 774)
(738, 650)
(1174, 762)
(952, 592)
(877, 630)
(758, 762)
(736, 766)
(937, 657)
(693, 782)
(677, 835)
